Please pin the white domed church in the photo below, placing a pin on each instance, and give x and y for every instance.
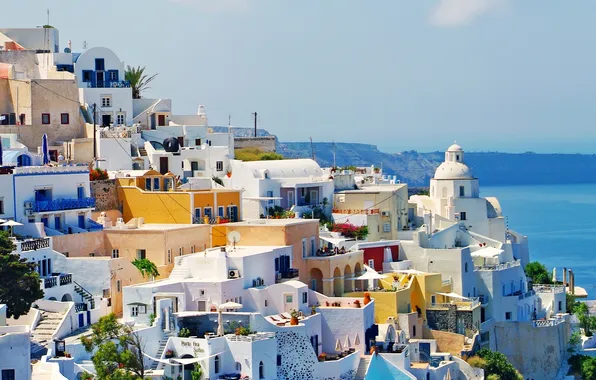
(455, 195)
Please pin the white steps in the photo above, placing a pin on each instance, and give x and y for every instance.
(362, 368)
(162, 347)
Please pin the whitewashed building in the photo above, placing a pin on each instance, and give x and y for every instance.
(296, 185)
(15, 353)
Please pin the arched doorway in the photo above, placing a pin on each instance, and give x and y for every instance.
(358, 272)
(338, 286)
(188, 368)
(261, 370)
(316, 280)
(348, 280)
(23, 160)
(67, 298)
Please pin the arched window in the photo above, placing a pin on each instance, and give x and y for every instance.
(216, 364)
(261, 370)
(238, 367)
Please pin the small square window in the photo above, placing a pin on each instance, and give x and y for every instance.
(115, 254)
(202, 292)
(266, 303)
(106, 100)
(64, 118)
(462, 216)
(289, 298)
(219, 166)
(141, 254)
(169, 255)
(45, 118)
(134, 311)
(508, 315)
(120, 118)
(386, 227)
(304, 297)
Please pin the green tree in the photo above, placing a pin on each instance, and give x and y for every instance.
(498, 366)
(20, 285)
(570, 303)
(583, 314)
(119, 350)
(574, 340)
(146, 267)
(197, 372)
(538, 273)
(139, 81)
(588, 368)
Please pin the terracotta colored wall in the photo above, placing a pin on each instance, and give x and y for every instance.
(81, 245)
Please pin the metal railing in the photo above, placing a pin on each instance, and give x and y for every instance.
(50, 282)
(548, 322)
(65, 279)
(109, 84)
(80, 307)
(60, 280)
(547, 288)
(63, 204)
(35, 244)
(507, 265)
(289, 273)
(374, 211)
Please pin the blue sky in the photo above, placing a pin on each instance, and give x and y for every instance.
(505, 75)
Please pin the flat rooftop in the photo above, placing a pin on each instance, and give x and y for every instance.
(274, 222)
(157, 227)
(374, 189)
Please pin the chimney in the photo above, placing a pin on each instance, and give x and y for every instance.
(571, 282)
(564, 276)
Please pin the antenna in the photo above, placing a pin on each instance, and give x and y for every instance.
(229, 122)
(312, 149)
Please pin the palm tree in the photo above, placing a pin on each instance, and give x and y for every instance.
(138, 80)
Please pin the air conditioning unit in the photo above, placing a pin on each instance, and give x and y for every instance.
(234, 273)
(29, 212)
(28, 204)
(385, 213)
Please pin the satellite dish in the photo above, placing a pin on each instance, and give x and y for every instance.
(234, 237)
(67, 50)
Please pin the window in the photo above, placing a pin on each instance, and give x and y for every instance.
(192, 249)
(80, 192)
(45, 118)
(220, 212)
(462, 216)
(466, 267)
(269, 195)
(119, 118)
(278, 360)
(560, 305)
(8, 374)
(64, 118)
(238, 367)
(433, 299)
(156, 184)
(141, 254)
(462, 191)
(303, 248)
(134, 311)
(180, 251)
(169, 255)
(289, 298)
(113, 75)
(1, 206)
(100, 64)
(198, 214)
(219, 166)
(413, 331)
(508, 315)
(216, 367)
(4, 119)
(118, 286)
(261, 370)
(302, 192)
(87, 75)
(198, 142)
(371, 263)
(106, 100)
(115, 254)
(22, 119)
(312, 246)
(167, 184)
(147, 184)
(266, 303)
(304, 297)
(207, 211)
(386, 227)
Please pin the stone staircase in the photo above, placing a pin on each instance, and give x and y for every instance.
(142, 152)
(42, 334)
(87, 297)
(162, 347)
(362, 368)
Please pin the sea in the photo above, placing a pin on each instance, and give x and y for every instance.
(560, 223)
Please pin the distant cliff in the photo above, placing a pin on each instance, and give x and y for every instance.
(416, 169)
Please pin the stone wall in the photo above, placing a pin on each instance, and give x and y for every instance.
(298, 356)
(537, 352)
(446, 341)
(264, 143)
(442, 319)
(105, 194)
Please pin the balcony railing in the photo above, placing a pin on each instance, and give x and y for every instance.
(63, 204)
(547, 288)
(507, 265)
(60, 280)
(548, 322)
(35, 244)
(460, 305)
(374, 211)
(109, 84)
(289, 273)
(80, 307)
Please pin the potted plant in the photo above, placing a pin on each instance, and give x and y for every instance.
(67, 355)
(313, 309)
(322, 357)
(169, 354)
(357, 304)
(184, 333)
(366, 298)
(294, 317)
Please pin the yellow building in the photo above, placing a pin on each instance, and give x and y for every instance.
(325, 274)
(158, 199)
(383, 208)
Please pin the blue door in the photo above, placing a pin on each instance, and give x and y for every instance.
(81, 221)
(80, 192)
(57, 223)
(233, 213)
(81, 320)
(88, 317)
(424, 352)
(44, 220)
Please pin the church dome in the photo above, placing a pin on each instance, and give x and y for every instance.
(454, 167)
(453, 170)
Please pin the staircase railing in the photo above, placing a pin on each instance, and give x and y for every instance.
(85, 294)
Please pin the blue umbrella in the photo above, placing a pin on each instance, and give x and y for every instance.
(44, 150)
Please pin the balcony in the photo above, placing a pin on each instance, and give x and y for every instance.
(59, 280)
(460, 305)
(63, 204)
(289, 273)
(109, 84)
(80, 307)
(495, 267)
(548, 322)
(34, 244)
(547, 288)
(374, 211)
